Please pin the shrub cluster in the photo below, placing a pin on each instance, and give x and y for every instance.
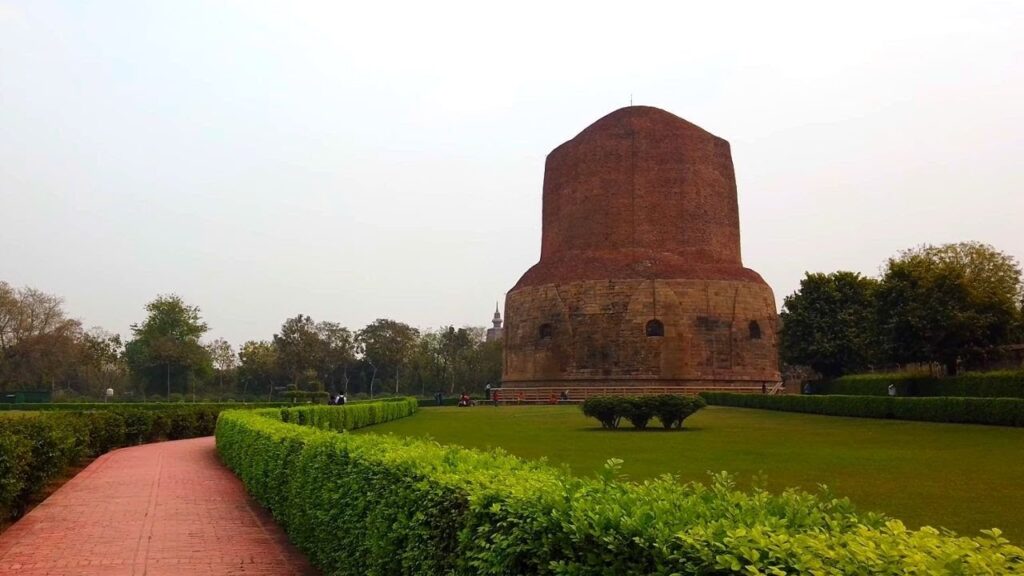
(1002, 384)
(350, 416)
(994, 411)
(669, 409)
(371, 504)
(160, 406)
(307, 397)
(36, 447)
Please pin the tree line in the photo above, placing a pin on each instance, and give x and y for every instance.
(167, 357)
(955, 306)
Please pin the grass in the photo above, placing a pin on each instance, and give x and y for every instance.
(957, 476)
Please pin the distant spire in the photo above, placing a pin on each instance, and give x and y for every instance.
(495, 333)
(497, 317)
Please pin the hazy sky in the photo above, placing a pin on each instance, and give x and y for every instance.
(354, 161)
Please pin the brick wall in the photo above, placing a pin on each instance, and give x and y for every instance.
(640, 222)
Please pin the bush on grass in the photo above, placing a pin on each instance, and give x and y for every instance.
(670, 409)
(415, 507)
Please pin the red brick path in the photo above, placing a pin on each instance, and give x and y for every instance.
(168, 508)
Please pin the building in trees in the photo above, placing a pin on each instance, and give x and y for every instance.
(495, 332)
(640, 279)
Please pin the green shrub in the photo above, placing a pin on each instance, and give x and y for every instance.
(15, 460)
(639, 410)
(993, 411)
(36, 447)
(670, 409)
(153, 406)
(1003, 384)
(305, 396)
(608, 410)
(371, 504)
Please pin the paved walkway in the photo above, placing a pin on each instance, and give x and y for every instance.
(167, 508)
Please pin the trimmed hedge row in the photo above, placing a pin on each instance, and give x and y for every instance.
(1003, 384)
(36, 447)
(369, 504)
(305, 396)
(80, 406)
(992, 411)
(669, 409)
(350, 416)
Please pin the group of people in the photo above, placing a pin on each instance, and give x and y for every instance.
(337, 400)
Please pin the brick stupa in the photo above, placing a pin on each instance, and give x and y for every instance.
(640, 280)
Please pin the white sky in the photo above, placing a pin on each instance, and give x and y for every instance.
(264, 159)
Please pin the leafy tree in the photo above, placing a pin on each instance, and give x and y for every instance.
(101, 363)
(258, 367)
(166, 346)
(456, 347)
(386, 345)
(298, 348)
(828, 324)
(39, 344)
(222, 355)
(337, 352)
(942, 303)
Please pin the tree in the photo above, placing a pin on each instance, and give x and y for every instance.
(298, 349)
(828, 324)
(223, 358)
(337, 351)
(101, 363)
(166, 346)
(456, 346)
(39, 344)
(942, 303)
(258, 365)
(386, 345)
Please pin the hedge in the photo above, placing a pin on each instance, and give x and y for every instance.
(1003, 384)
(80, 406)
(993, 411)
(371, 504)
(669, 409)
(36, 447)
(320, 397)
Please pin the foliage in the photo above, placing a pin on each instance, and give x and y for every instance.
(942, 303)
(350, 416)
(828, 324)
(298, 348)
(40, 347)
(386, 346)
(116, 406)
(608, 410)
(670, 409)
(37, 447)
(166, 347)
(998, 384)
(258, 367)
(993, 411)
(639, 410)
(305, 396)
(408, 506)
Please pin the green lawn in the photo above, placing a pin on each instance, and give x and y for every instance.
(958, 476)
